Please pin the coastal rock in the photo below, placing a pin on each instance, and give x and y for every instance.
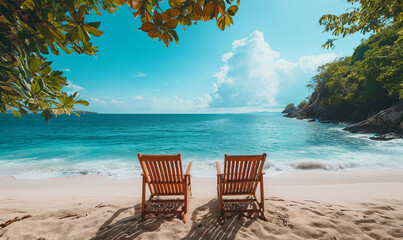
(312, 110)
(289, 108)
(386, 137)
(388, 123)
(315, 110)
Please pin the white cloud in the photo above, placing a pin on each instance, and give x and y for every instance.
(138, 97)
(97, 101)
(117, 102)
(139, 75)
(254, 75)
(108, 101)
(178, 104)
(311, 63)
(73, 87)
(65, 69)
(227, 56)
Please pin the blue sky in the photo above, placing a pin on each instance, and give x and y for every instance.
(262, 62)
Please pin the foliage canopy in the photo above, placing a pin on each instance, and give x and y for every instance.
(371, 79)
(365, 16)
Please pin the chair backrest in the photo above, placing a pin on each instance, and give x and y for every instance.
(242, 173)
(163, 173)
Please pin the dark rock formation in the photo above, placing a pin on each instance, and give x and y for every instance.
(386, 137)
(289, 108)
(388, 124)
(313, 109)
(346, 112)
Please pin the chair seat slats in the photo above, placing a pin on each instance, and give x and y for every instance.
(164, 176)
(241, 176)
(167, 182)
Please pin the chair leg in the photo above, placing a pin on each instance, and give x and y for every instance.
(190, 185)
(143, 200)
(186, 199)
(145, 209)
(184, 217)
(220, 202)
(262, 199)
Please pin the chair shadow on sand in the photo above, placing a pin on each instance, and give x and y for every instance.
(204, 224)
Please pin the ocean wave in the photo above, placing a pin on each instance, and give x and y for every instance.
(124, 168)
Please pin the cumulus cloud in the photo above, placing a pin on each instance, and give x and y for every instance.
(65, 69)
(73, 87)
(311, 63)
(108, 102)
(97, 101)
(138, 97)
(117, 102)
(254, 75)
(139, 75)
(178, 104)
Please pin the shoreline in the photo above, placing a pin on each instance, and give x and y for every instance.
(95, 185)
(299, 205)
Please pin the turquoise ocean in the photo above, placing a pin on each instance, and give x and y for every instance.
(108, 144)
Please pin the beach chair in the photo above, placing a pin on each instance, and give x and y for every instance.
(164, 176)
(241, 177)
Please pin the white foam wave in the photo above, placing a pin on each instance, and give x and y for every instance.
(123, 168)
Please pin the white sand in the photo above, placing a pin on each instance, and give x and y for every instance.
(360, 204)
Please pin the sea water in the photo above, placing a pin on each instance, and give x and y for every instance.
(108, 144)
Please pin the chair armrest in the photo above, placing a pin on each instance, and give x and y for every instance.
(263, 172)
(188, 169)
(218, 168)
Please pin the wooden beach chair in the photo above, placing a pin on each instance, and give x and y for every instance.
(164, 176)
(241, 177)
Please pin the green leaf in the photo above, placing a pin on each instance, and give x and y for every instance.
(232, 10)
(22, 110)
(3, 108)
(93, 30)
(15, 113)
(83, 35)
(83, 102)
(73, 35)
(81, 13)
(228, 20)
(221, 22)
(78, 115)
(45, 32)
(47, 114)
(37, 86)
(175, 3)
(94, 24)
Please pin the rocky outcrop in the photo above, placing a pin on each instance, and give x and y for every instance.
(289, 108)
(387, 124)
(313, 109)
(345, 112)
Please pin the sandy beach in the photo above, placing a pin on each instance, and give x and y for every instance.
(310, 204)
